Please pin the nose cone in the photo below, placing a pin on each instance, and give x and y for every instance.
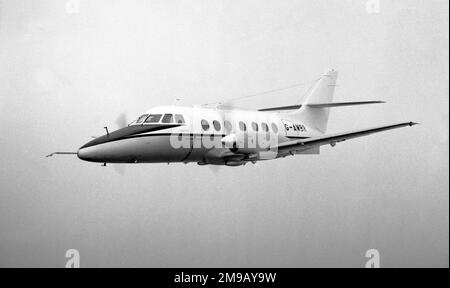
(111, 148)
(108, 152)
(89, 154)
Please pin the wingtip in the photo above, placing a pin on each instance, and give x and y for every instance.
(413, 123)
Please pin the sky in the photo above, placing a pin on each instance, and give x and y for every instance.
(69, 68)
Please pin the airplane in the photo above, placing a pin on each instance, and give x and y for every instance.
(224, 135)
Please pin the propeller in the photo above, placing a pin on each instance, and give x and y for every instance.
(121, 120)
(215, 169)
(227, 104)
(120, 169)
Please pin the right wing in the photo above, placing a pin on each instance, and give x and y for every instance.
(332, 139)
(321, 105)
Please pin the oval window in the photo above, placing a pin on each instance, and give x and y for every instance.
(205, 125)
(274, 128)
(216, 125)
(242, 126)
(255, 126)
(265, 127)
(228, 126)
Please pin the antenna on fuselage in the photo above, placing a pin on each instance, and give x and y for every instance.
(230, 103)
(107, 132)
(177, 101)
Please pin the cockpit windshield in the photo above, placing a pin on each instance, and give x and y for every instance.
(141, 118)
(153, 118)
(159, 118)
(168, 118)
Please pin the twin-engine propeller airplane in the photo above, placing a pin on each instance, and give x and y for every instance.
(226, 136)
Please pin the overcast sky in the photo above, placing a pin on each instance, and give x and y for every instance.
(67, 71)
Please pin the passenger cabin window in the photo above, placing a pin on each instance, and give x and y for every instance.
(228, 126)
(141, 119)
(255, 126)
(179, 119)
(168, 118)
(153, 118)
(205, 125)
(274, 128)
(242, 126)
(265, 127)
(217, 125)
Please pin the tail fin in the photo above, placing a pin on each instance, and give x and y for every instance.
(322, 92)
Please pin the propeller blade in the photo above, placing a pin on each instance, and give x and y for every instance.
(121, 120)
(215, 169)
(120, 169)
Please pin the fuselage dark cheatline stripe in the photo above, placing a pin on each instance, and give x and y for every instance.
(297, 137)
(195, 134)
(126, 132)
(174, 134)
(171, 134)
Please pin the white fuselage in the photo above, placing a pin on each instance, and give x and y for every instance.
(226, 136)
(204, 135)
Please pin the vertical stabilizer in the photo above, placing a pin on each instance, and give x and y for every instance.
(322, 92)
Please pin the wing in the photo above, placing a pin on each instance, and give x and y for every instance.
(321, 105)
(332, 139)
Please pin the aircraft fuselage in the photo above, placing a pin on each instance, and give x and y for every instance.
(196, 134)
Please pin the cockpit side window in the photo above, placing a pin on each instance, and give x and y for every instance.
(153, 118)
(179, 119)
(168, 118)
(141, 119)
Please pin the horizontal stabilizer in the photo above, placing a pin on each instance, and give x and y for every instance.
(321, 105)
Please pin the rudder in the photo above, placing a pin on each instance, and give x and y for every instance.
(322, 92)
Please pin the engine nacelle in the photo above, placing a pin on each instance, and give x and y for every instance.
(233, 163)
(242, 143)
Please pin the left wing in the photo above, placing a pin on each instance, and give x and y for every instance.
(332, 139)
